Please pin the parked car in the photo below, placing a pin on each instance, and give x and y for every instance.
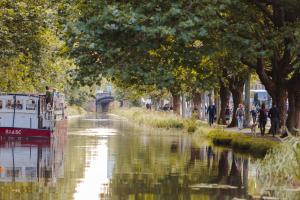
(259, 97)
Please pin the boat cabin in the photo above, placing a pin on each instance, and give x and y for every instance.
(30, 111)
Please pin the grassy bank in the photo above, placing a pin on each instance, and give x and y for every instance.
(241, 142)
(280, 169)
(75, 110)
(157, 119)
(237, 141)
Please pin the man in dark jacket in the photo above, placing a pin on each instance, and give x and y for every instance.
(262, 119)
(274, 116)
(211, 111)
(49, 97)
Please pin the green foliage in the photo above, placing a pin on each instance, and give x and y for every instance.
(169, 41)
(280, 169)
(79, 95)
(191, 125)
(75, 110)
(30, 48)
(157, 54)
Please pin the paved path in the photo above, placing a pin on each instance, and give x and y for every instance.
(247, 131)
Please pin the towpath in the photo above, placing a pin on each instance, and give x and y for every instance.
(247, 131)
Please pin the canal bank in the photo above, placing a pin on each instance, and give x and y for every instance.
(219, 135)
(75, 111)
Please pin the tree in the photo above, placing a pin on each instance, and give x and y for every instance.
(263, 35)
(154, 55)
(30, 51)
(224, 96)
(232, 75)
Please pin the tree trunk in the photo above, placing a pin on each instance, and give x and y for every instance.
(176, 103)
(217, 103)
(155, 103)
(297, 110)
(224, 96)
(183, 106)
(203, 107)
(290, 123)
(237, 96)
(275, 86)
(280, 99)
(293, 121)
(210, 97)
(247, 100)
(236, 86)
(197, 103)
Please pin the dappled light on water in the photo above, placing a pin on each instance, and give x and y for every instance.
(97, 132)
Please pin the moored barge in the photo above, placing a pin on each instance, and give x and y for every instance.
(25, 115)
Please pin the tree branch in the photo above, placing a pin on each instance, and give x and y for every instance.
(295, 61)
(264, 78)
(263, 8)
(286, 58)
(249, 64)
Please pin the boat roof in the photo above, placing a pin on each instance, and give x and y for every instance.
(21, 94)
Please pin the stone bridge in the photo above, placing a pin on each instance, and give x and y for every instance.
(103, 100)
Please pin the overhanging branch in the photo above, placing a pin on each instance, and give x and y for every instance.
(263, 8)
(248, 63)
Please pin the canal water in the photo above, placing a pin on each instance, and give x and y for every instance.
(105, 157)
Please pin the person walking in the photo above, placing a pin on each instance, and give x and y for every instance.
(240, 114)
(274, 117)
(253, 113)
(227, 114)
(148, 106)
(211, 111)
(49, 96)
(262, 119)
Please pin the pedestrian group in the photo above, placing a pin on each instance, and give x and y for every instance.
(259, 115)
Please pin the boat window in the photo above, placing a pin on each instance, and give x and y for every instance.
(30, 104)
(13, 171)
(10, 104)
(1, 104)
(30, 172)
(19, 104)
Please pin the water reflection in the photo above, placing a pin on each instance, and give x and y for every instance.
(30, 160)
(165, 168)
(106, 158)
(95, 179)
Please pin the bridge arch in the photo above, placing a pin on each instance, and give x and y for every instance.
(103, 101)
